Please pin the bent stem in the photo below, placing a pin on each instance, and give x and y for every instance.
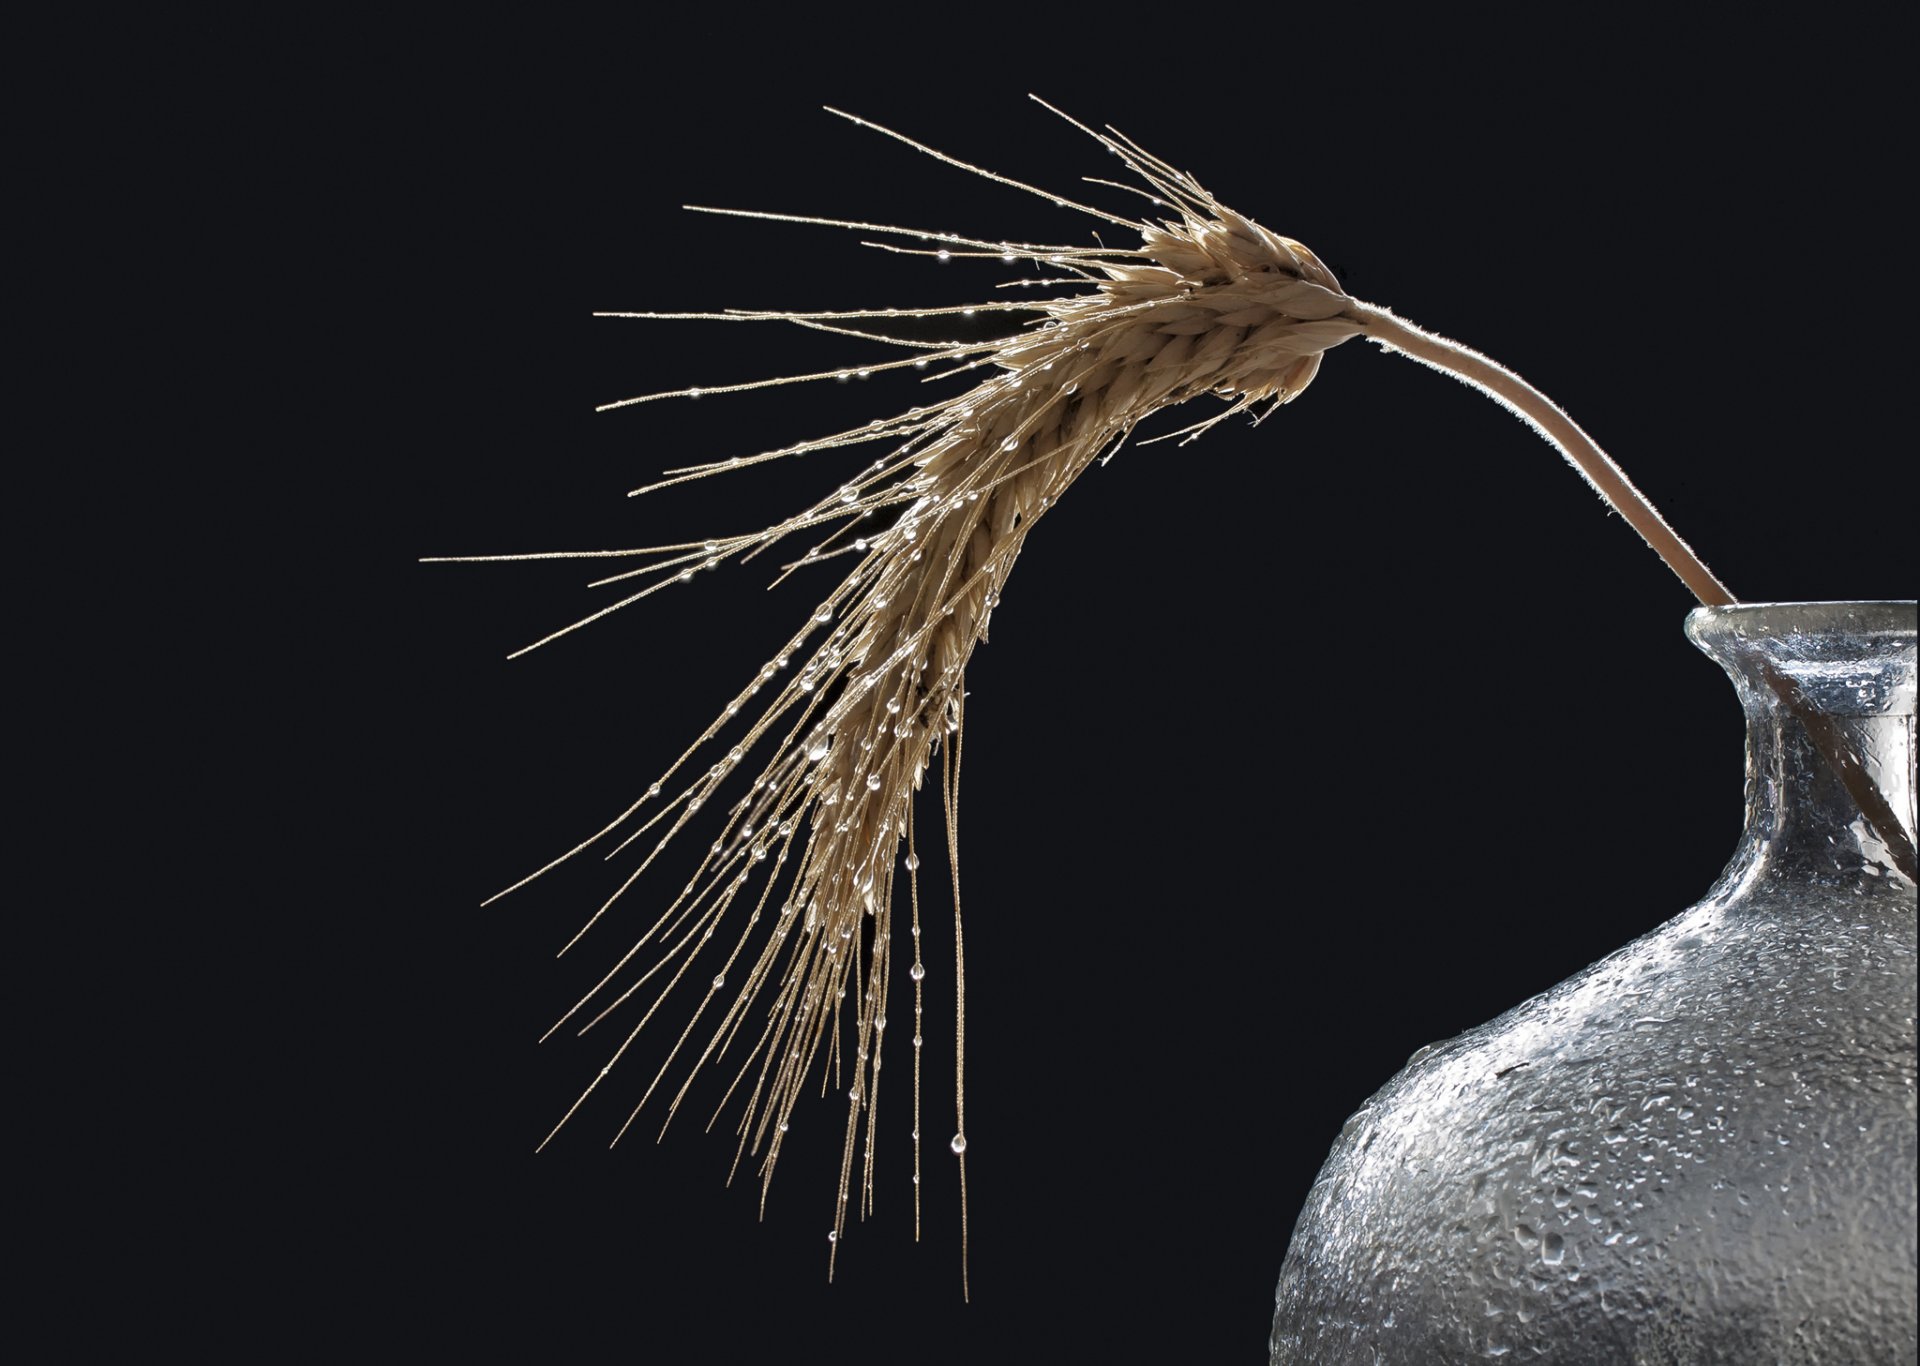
(1546, 417)
(1611, 483)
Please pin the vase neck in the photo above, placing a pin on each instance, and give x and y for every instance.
(1829, 692)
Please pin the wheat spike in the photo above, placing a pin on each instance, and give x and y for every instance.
(853, 709)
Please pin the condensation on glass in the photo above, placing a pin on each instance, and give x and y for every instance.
(1700, 1149)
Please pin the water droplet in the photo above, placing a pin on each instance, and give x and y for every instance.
(917, 972)
(833, 1237)
(958, 1143)
(873, 782)
(818, 752)
(719, 981)
(913, 862)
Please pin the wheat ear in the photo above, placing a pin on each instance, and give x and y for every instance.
(1209, 304)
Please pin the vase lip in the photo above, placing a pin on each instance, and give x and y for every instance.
(1873, 616)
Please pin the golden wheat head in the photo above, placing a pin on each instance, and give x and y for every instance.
(787, 932)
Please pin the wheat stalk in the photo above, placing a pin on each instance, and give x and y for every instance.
(852, 710)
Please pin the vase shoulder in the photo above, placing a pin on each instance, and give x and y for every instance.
(1658, 1155)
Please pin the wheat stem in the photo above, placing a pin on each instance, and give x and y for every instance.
(1551, 421)
(1546, 417)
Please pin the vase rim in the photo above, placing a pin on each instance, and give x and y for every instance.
(1875, 616)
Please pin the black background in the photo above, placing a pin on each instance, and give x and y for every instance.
(1293, 750)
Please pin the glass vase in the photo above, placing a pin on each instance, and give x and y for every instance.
(1701, 1148)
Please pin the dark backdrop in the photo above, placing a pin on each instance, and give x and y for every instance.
(1293, 750)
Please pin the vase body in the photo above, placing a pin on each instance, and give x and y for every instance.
(1700, 1149)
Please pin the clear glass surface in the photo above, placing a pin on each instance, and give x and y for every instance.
(1702, 1148)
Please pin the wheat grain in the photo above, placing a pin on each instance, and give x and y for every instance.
(1209, 304)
